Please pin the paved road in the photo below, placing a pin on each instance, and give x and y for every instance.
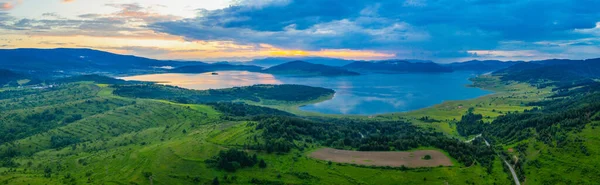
(512, 170)
(517, 182)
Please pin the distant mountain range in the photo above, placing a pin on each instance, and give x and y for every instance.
(553, 70)
(397, 66)
(67, 62)
(481, 65)
(62, 62)
(204, 67)
(273, 61)
(77, 61)
(302, 68)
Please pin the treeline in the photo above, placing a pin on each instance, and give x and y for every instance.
(283, 133)
(550, 124)
(470, 124)
(575, 88)
(256, 93)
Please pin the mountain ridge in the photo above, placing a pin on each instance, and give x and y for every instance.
(303, 68)
(397, 66)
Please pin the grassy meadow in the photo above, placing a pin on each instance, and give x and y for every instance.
(127, 141)
(144, 141)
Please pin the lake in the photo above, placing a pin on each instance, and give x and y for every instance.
(366, 94)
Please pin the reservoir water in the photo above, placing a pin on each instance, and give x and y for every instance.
(366, 94)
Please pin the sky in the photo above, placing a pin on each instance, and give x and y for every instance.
(241, 30)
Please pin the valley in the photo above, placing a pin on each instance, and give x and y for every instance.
(169, 141)
(93, 129)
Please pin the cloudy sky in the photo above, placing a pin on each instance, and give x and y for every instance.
(212, 30)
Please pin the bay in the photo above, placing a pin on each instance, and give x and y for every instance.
(365, 94)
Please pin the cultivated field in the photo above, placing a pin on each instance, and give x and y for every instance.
(411, 159)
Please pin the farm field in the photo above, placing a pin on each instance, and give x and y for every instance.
(413, 159)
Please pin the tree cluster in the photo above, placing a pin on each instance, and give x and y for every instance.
(233, 159)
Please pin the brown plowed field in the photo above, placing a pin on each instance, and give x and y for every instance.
(395, 159)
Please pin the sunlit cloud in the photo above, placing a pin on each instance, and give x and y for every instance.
(364, 30)
(595, 30)
(6, 5)
(172, 47)
(499, 53)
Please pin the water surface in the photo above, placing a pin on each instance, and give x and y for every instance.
(366, 94)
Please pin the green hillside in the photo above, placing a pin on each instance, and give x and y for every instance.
(89, 133)
(118, 140)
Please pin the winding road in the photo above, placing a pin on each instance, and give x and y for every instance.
(512, 170)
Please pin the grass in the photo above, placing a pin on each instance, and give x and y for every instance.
(567, 164)
(23, 81)
(125, 138)
(177, 158)
(122, 142)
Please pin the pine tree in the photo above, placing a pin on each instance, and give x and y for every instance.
(262, 164)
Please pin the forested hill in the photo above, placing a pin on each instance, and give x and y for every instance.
(273, 61)
(552, 70)
(68, 61)
(11, 78)
(302, 68)
(51, 63)
(482, 65)
(398, 66)
(7, 76)
(554, 142)
(255, 93)
(202, 68)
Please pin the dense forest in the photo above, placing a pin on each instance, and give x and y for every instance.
(470, 124)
